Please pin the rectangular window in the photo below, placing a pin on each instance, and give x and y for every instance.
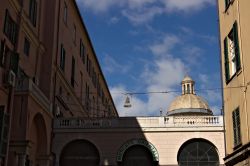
(65, 13)
(74, 34)
(73, 71)
(2, 53)
(10, 28)
(232, 53)
(62, 58)
(236, 127)
(82, 51)
(26, 48)
(33, 12)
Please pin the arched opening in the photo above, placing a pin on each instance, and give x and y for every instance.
(198, 152)
(79, 153)
(38, 139)
(138, 155)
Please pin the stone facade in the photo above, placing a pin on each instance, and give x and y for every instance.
(165, 134)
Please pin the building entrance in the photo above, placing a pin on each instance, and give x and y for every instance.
(138, 156)
(79, 153)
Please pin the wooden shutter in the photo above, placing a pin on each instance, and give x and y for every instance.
(236, 127)
(237, 48)
(226, 61)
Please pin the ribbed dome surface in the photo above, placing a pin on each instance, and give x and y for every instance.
(188, 101)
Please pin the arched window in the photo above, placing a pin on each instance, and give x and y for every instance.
(198, 152)
(78, 153)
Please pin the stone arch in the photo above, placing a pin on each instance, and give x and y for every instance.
(196, 151)
(135, 142)
(79, 152)
(38, 138)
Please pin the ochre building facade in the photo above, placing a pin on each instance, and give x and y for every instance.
(234, 40)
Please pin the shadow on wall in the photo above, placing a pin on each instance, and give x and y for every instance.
(86, 144)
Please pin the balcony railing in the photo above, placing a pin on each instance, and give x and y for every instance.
(130, 122)
(27, 85)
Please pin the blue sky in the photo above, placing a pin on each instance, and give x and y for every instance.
(150, 45)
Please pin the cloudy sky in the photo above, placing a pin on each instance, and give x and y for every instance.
(150, 45)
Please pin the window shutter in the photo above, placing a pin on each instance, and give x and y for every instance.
(237, 48)
(226, 62)
(236, 127)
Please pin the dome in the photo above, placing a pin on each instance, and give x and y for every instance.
(187, 78)
(189, 103)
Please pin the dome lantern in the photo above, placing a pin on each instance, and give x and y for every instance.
(187, 86)
(188, 103)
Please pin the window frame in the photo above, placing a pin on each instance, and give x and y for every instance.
(10, 28)
(62, 58)
(228, 61)
(72, 80)
(237, 139)
(33, 12)
(26, 48)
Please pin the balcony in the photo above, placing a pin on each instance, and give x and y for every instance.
(26, 85)
(140, 122)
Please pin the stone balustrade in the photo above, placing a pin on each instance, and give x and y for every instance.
(135, 122)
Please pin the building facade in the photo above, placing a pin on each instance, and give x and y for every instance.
(189, 135)
(48, 69)
(234, 41)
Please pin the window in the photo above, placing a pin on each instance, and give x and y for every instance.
(198, 152)
(26, 48)
(74, 34)
(62, 58)
(10, 28)
(65, 13)
(236, 127)
(73, 72)
(232, 53)
(33, 12)
(3, 49)
(82, 51)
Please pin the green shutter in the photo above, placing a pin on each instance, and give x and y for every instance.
(226, 62)
(237, 48)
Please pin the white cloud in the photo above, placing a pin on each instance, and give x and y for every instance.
(186, 5)
(144, 15)
(160, 75)
(99, 6)
(143, 11)
(162, 47)
(111, 65)
(210, 93)
(114, 20)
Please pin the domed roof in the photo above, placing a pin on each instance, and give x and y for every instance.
(189, 103)
(187, 78)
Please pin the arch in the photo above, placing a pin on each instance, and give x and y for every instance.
(79, 152)
(198, 152)
(38, 138)
(141, 142)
